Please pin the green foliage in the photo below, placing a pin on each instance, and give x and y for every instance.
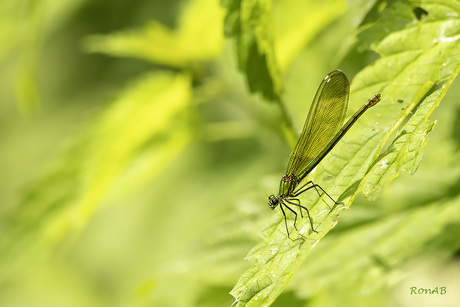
(251, 24)
(431, 59)
(160, 44)
(67, 196)
(136, 182)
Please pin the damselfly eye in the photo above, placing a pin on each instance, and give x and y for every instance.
(273, 201)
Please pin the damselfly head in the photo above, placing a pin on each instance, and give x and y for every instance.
(273, 201)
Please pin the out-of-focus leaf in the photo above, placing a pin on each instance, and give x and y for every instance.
(250, 24)
(151, 115)
(24, 39)
(199, 37)
(298, 22)
(413, 60)
(31, 22)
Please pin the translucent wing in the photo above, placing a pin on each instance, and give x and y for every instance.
(323, 122)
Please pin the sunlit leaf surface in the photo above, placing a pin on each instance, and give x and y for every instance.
(139, 144)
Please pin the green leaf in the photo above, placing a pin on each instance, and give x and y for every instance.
(23, 42)
(160, 44)
(297, 24)
(250, 24)
(149, 118)
(361, 258)
(405, 153)
(413, 59)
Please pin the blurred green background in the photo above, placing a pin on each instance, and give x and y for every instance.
(136, 164)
